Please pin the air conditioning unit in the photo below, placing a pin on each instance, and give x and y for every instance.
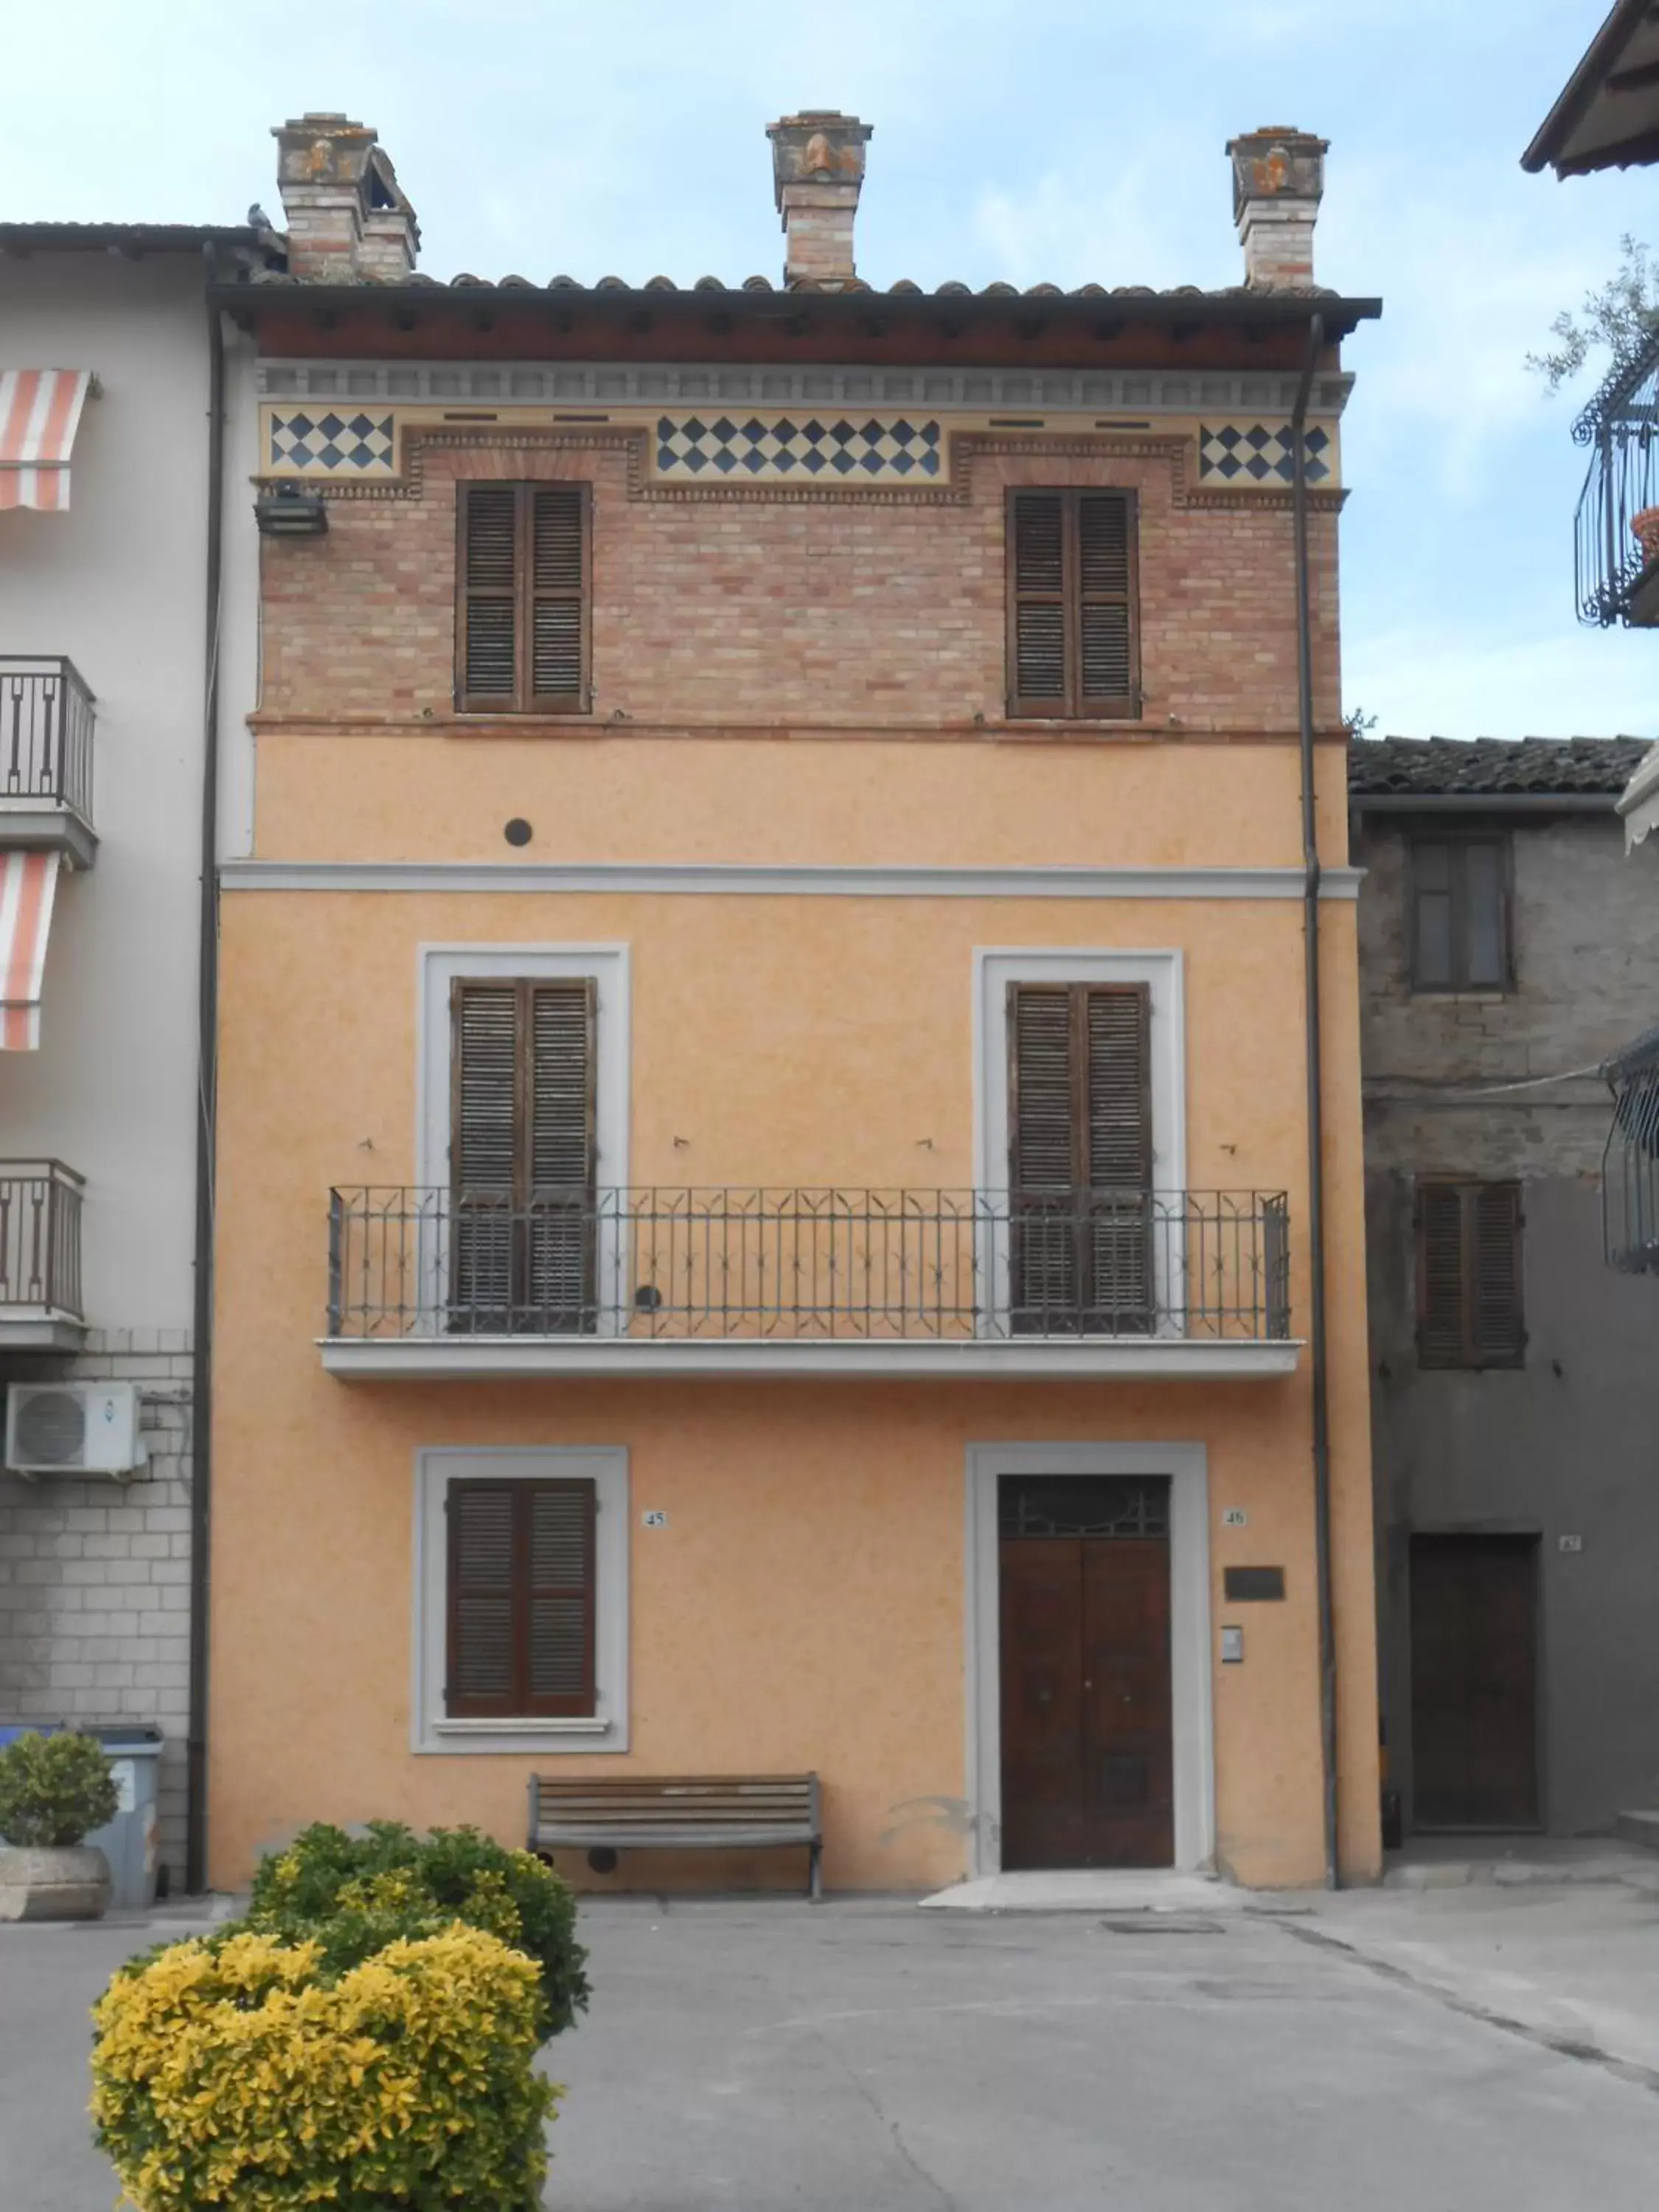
(73, 1428)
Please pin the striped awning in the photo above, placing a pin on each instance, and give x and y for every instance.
(39, 413)
(29, 883)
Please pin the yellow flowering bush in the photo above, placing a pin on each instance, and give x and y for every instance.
(235, 2074)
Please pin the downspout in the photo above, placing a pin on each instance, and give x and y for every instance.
(207, 1084)
(1316, 1329)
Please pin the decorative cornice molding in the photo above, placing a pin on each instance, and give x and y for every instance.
(652, 384)
(724, 880)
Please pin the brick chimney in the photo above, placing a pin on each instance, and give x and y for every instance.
(348, 222)
(1279, 179)
(817, 168)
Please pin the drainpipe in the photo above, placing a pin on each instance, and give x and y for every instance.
(207, 1084)
(1310, 880)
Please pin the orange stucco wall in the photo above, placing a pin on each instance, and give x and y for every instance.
(804, 1604)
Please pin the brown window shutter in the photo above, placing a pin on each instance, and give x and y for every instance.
(524, 1083)
(487, 648)
(1469, 1308)
(482, 1670)
(524, 567)
(1080, 1155)
(1072, 648)
(1441, 1325)
(1039, 645)
(1496, 1335)
(559, 1168)
(558, 596)
(522, 1600)
(1105, 639)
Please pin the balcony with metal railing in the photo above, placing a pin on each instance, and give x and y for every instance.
(40, 1308)
(1630, 1160)
(1617, 552)
(46, 715)
(424, 1281)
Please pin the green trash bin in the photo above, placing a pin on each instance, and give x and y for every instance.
(128, 1841)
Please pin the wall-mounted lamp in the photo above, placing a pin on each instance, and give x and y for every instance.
(290, 514)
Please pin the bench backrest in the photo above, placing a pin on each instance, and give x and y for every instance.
(676, 1801)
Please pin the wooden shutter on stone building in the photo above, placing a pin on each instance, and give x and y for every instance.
(1080, 1155)
(1469, 1303)
(522, 621)
(1073, 644)
(524, 1085)
(520, 1599)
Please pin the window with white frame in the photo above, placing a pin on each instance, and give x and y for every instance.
(521, 1599)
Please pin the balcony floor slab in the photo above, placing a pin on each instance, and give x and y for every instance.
(475, 1359)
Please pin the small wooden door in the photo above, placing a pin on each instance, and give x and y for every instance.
(1087, 1763)
(1475, 1681)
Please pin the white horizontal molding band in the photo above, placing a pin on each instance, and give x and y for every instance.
(440, 1359)
(719, 879)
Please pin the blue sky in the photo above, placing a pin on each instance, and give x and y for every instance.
(1066, 140)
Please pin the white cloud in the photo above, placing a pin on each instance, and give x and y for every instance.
(1449, 681)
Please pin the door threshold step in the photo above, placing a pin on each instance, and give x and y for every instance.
(1092, 1889)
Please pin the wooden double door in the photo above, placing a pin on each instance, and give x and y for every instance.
(1087, 1754)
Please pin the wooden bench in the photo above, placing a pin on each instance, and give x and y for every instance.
(679, 1812)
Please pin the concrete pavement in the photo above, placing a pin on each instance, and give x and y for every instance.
(863, 2057)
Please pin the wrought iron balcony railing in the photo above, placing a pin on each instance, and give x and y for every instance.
(1616, 571)
(809, 1265)
(46, 734)
(1630, 1162)
(40, 1241)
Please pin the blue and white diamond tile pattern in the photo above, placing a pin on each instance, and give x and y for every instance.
(331, 443)
(1260, 453)
(830, 448)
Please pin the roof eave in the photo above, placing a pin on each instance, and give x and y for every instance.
(1341, 315)
(1579, 94)
(1483, 802)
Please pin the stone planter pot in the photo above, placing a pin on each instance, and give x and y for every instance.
(70, 1881)
(1645, 529)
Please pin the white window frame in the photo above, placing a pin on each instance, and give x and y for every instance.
(606, 1466)
(1164, 973)
(1192, 1715)
(439, 967)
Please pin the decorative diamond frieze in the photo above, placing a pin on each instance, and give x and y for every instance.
(832, 449)
(353, 444)
(1260, 453)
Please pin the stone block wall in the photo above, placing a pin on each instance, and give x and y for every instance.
(94, 1571)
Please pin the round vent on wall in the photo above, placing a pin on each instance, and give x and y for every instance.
(50, 1429)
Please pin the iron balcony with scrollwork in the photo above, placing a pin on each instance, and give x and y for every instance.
(1617, 553)
(46, 715)
(423, 1282)
(1629, 1161)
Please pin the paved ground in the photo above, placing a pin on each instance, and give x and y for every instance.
(868, 2057)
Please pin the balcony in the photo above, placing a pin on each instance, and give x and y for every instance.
(40, 1257)
(45, 758)
(1629, 1161)
(424, 1282)
(1616, 571)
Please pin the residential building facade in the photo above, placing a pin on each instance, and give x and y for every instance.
(1508, 948)
(763, 1175)
(128, 583)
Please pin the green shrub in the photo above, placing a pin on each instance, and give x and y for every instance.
(240, 2074)
(352, 1895)
(54, 1789)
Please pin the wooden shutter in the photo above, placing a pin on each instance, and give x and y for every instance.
(1072, 648)
(520, 1599)
(1496, 1333)
(524, 1082)
(1080, 1155)
(523, 568)
(1469, 1309)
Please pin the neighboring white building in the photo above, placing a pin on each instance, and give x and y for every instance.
(106, 480)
